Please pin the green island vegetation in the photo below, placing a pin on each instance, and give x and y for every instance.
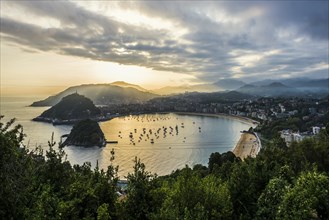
(280, 183)
(71, 107)
(86, 133)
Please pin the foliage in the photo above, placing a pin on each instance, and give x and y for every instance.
(139, 199)
(308, 199)
(85, 133)
(192, 197)
(280, 183)
(37, 186)
(73, 106)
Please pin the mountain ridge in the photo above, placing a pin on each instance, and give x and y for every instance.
(101, 94)
(120, 92)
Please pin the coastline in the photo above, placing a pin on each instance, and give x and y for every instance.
(240, 118)
(249, 143)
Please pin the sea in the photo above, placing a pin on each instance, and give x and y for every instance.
(163, 142)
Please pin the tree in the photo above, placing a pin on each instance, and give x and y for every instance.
(15, 171)
(139, 199)
(307, 199)
(192, 197)
(270, 199)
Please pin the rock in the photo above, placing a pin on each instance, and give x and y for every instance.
(86, 133)
(70, 109)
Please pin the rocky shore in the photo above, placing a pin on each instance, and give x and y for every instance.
(86, 133)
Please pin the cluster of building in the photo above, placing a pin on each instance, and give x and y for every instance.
(266, 109)
(290, 136)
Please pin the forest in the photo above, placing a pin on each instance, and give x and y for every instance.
(280, 183)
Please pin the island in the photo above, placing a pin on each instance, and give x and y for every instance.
(71, 109)
(85, 133)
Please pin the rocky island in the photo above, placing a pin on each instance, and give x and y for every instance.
(71, 109)
(85, 133)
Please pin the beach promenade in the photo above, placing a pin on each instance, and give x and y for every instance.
(248, 145)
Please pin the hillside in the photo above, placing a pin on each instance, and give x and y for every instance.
(101, 94)
(303, 85)
(71, 107)
(229, 84)
(220, 85)
(129, 85)
(272, 89)
(86, 133)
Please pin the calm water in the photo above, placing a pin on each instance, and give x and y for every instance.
(191, 142)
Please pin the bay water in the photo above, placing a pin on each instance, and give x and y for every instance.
(164, 142)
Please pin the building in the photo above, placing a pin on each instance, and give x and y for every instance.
(290, 136)
(316, 130)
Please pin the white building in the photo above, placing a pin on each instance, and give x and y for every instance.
(316, 130)
(290, 136)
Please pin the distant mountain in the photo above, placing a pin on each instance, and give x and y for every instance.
(168, 90)
(293, 85)
(247, 86)
(272, 89)
(124, 84)
(71, 107)
(234, 95)
(296, 87)
(221, 85)
(263, 82)
(101, 94)
(276, 85)
(229, 84)
(309, 83)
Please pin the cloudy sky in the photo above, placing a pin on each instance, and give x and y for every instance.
(53, 44)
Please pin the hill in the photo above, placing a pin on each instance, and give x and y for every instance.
(125, 85)
(101, 94)
(71, 107)
(86, 133)
(221, 85)
(229, 84)
(170, 90)
(271, 90)
(302, 85)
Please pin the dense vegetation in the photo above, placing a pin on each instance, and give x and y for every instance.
(86, 133)
(295, 123)
(73, 106)
(280, 183)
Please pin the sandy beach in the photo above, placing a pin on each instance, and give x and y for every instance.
(247, 146)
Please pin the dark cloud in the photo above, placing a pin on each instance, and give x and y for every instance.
(221, 38)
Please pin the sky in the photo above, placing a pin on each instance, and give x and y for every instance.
(47, 46)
